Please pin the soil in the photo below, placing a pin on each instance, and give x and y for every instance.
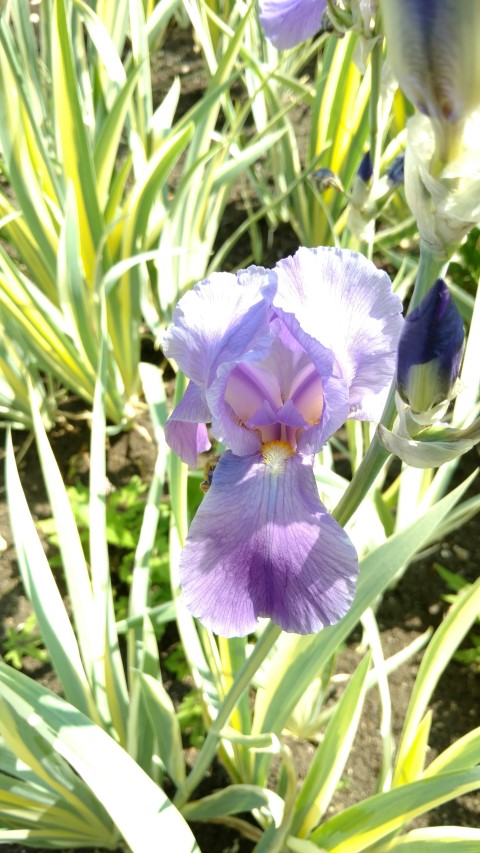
(415, 604)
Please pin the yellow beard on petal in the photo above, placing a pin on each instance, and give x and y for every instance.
(275, 453)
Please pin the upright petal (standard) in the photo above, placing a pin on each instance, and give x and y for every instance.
(341, 299)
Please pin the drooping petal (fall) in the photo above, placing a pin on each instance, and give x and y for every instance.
(342, 300)
(185, 430)
(289, 22)
(262, 544)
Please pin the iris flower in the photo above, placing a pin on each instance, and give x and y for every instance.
(287, 23)
(277, 360)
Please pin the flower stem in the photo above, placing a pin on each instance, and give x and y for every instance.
(374, 115)
(241, 683)
(374, 108)
(430, 267)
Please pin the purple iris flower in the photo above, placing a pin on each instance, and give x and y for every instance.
(289, 22)
(277, 360)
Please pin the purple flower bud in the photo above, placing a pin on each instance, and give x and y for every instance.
(365, 170)
(396, 172)
(429, 353)
(327, 180)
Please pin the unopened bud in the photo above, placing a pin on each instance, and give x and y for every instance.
(429, 355)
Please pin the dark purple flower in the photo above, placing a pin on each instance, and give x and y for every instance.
(278, 359)
(430, 351)
(287, 23)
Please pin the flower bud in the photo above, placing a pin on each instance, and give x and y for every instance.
(433, 49)
(429, 354)
(365, 170)
(396, 172)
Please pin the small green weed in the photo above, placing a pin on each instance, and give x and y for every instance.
(23, 641)
(469, 656)
(125, 508)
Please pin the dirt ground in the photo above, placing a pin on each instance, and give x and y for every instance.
(406, 611)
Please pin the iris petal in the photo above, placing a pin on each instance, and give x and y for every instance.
(219, 321)
(262, 544)
(289, 22)
(341, 299)
(185, 430)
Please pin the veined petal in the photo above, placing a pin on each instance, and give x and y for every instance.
(262, 544)
(221, 319)
(185, 430)
(340, 298)
(289, 22)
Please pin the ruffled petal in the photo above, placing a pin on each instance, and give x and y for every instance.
(220, 320)
(341, 299)
(289, 22)
(185, 430)
(262, 544)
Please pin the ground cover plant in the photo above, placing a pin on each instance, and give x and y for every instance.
(311, 414)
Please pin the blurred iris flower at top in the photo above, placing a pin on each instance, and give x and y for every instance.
(277, 361)
(433, 47)
(287, 23)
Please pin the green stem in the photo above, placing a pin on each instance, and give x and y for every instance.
(374, 108)
(241, 683)
(374, 113)
(430, 267)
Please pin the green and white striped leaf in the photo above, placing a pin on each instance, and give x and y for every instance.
(137, 806)
(377, 817)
